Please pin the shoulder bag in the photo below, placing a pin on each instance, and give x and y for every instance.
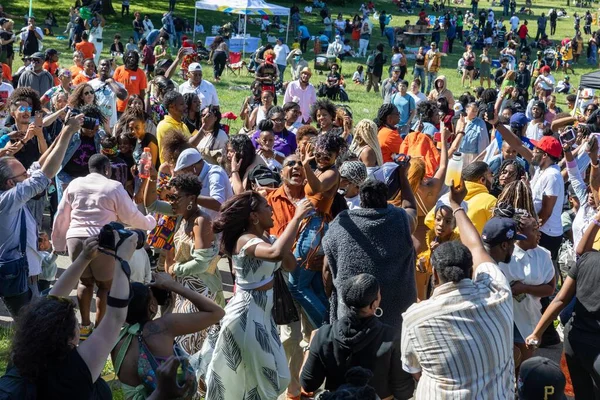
(14, 274)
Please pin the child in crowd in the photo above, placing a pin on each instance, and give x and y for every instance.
(359, 75)
(49, 268)
(131, 46)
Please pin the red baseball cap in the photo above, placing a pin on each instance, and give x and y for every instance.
(549, 145)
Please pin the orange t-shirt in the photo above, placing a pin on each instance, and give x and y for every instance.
(52, 67)
(75, 70)
(6, 73)
(283, 210)
(81, 78)
(86, 48)
(134, 82)
(417, 144)
(389, 141)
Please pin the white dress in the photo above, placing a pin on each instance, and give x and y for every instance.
(246, 360)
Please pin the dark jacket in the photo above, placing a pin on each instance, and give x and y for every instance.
(351, 342)
(523, 79)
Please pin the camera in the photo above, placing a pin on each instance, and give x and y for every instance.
(106, 238)
(88, 122)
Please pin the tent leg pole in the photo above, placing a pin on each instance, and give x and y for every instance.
(244, 39)
(287, 29)
(195, 18)
(574, 112)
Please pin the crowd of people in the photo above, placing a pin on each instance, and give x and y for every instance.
(381, 258)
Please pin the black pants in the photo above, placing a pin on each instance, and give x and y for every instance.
(459, 33)
(124, 9)
(582, 351)
(219, 62)
(552, 244)
(303, 44)
(450, 43)
(552, 28)
(402, 71)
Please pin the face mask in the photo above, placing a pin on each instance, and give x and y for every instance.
(297, 58)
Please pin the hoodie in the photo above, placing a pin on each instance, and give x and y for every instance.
(443, 92)
(352, 342)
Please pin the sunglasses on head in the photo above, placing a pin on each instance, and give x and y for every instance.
(25, 109)
(293, 163)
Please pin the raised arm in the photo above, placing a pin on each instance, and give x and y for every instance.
(209, 313)
(468, 234)
(408, 202)
(435, 184)
(512, 140)
(587, 240)
(96, 349)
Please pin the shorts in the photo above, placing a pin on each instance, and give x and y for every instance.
(487, 40)
(469, 67)
(101, 268)
(518, 338)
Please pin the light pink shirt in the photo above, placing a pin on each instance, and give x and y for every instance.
(305, 98)
(91, 202)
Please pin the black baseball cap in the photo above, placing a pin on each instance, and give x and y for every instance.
(541, 378)
(264, 176)
(499, 230)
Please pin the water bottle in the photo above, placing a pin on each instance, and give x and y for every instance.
(145, 163)
(454, 170)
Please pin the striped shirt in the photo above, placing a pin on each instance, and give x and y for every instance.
(461, 339)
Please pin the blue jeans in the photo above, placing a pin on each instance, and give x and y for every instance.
(281, 69)
(420, 73)
(178, 36)
(136, 37)
(430, 78)
(306, 286)
(62, 178)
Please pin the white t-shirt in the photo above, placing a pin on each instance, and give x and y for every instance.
(96, 33)
(5, 92)
(281, 52)
(219, 143)
(353, 202)
(514, 23)
(549, 182)
(340, 25)
(205, 91)
(531, 267)
(534, 132)
(106, 99)
(418, 98)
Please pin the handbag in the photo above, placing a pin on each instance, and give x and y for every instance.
(284, 309)
(14, 274)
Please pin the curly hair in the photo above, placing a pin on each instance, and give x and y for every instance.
(453, 261)
(518, 195)
(306, 130)
(427, 110)
(43, 335)
(331, 142)
(76, 97)
(323, 104)
(137, 311)
(93, 111)
(27, 94)
(163, 85)
(365, 134)
(186, 183)
(173, 143)
(170, 98)
(244, 150)
(384, 111)
(373, 194)
(234, 218)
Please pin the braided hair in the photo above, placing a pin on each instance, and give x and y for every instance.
(496, 186)
(518, 195)
(384, 111)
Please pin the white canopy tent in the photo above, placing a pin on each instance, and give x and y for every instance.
(245, 8)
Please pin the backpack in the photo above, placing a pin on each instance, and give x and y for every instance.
(371, 60)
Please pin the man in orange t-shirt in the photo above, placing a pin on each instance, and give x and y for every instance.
(86, 47)
(77, 64)
(132, 77)
(389, 138)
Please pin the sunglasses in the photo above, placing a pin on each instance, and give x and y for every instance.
(88, 93)
(277, 120)
(293, 163)
(36, 60)
(324, 155)
(25, 109)
(172, 198)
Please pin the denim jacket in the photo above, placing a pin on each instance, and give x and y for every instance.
(473, 134)
(76, 142)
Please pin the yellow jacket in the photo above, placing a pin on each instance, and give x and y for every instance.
(480, 206)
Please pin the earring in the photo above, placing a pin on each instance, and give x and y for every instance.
(255, 222)
(190, 206)
(378, 312)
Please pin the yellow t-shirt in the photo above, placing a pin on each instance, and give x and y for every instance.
(166, 125)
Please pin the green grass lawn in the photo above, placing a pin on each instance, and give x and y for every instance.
(364, 105)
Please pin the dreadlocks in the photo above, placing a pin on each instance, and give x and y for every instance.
(518, 195)
(384, 111)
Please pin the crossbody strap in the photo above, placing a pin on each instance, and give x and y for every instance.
(23, 232)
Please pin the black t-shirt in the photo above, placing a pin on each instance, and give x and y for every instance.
(120, 171)
(265, 70)
(8, 48)
(78, 164)
(586, 314)
(117, 48)
(71, 379)
(29, 153)
(145, 142)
